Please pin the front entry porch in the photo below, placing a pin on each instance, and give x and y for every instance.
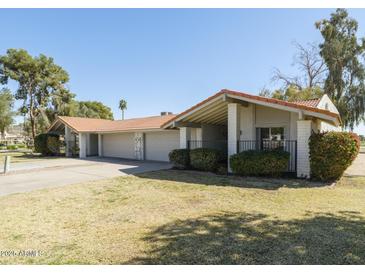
(233, 125)
(77, 144)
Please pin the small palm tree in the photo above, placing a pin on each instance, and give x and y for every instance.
(122, 106)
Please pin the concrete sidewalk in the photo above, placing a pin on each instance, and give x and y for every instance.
(357, 169)
(58, 172)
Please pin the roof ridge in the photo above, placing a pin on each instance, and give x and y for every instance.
(144, 117)
(318, 98)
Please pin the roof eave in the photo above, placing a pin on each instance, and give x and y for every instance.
(277, 104)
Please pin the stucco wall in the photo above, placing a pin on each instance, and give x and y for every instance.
(323, 126)
(213, 133)
(247, 123)
(196, 134)
(255, 116)
(326, 103)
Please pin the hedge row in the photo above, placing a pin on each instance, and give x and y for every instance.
(260, 163)
(205, 159)
(331, 153)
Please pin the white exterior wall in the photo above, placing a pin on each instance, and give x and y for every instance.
(255, 116)
(196, 134)
(247, 122)
(304, 129)
(82, 145)
(119, 145)
(213, 133)
(185, 135)
(68, 139)
(270, 117)
(326, 103)
(100, 145)
(323, 126)
(294, 117)
(159, 144)
(233, 129)
(88, 142)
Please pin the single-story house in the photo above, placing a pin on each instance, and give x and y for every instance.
(229, 120)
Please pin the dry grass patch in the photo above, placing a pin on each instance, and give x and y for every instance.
(182, 217)
(17, 157)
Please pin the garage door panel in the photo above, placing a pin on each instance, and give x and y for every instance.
(119, 145)
(159, 144)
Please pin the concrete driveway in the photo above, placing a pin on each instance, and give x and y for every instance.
(29, 176)
(357, 168)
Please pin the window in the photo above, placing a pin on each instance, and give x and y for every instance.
(270, 137)
(277, 133)
(270, 133)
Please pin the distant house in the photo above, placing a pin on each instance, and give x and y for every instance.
(229, 120)
(14, 135)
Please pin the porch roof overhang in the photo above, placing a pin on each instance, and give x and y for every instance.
(58, 126)
(213, 110)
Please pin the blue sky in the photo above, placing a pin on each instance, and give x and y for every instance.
(164, 59)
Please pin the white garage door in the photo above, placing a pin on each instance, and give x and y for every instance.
(119, 145)
(159, 144)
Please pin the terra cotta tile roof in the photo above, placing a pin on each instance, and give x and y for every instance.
(309, 103)
(101, 125)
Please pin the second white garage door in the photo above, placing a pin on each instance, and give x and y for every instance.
(119, 145)
(159, 144)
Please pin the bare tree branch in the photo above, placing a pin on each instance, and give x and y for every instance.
(310, 63)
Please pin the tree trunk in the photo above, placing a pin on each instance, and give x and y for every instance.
(32, 118)
(32, 123)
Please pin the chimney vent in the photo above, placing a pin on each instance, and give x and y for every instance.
(164, 113)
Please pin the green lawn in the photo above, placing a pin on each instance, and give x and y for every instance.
(181, 217)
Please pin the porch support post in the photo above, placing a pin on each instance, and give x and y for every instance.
(100, 145)
(233, 129)
(304, 130)
(82, 145)
(185, 134)
(88, 144)
(68, 140)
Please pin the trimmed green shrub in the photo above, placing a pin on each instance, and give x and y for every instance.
(260, 162)
(12, 147)
(180, 158)
(357, 140)
(205, 159)
(48, 144)
(222, 170)
(54, 144)
(331, 153)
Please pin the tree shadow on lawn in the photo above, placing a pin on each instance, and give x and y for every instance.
(206, 178)
(242, 238)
